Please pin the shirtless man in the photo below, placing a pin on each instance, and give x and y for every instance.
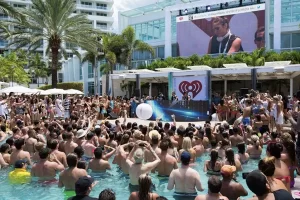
(122, 156)
(70, 145)
(88, 147)
(46, 170)
(214, 188)
(235, 138)
(61, 156)
(30, 142)
(3, 134)
(111, 142)
(199, 148)
(168, 162)
(98, 164)
(231, 189)
(185, 179)
(69, 176)
(18, 153)
(154, 137)
(137, 167)
(247, 113)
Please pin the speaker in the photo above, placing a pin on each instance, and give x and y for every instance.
(244, 91)
(259, 86)
(137, 93)
(113, 115)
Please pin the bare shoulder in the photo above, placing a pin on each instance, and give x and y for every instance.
(201, 197)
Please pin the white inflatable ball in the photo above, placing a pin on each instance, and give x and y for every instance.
(144, 111)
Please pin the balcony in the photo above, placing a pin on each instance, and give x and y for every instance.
(93, 7)
(102, 27)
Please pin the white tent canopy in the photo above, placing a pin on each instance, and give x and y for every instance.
(18, 90)
(55, 91)
(72, 91)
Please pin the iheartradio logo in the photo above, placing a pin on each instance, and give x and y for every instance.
(194, 87)
(180, 18)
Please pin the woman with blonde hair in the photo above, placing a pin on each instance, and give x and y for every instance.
(254, 149)
(144, 192)
(187, 146)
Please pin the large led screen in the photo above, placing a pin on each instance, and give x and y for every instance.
(224, 31)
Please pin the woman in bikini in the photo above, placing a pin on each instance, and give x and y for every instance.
(144, 192)
(288, 155)
(254, 149)
(213, 166)
(222, 110)
(242, 156)
(281, 169)
(230, 160)
(234, 107)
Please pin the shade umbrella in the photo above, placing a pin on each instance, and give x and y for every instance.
(17, 90)
(73, 92)
(41, 92)
(55, 91)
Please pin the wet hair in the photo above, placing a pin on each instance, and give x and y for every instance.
(125, 139)
(267, 166)
(4, 147)
(214, 184)
(19, 143)
(208, 133)
(167, 126)
(128, 126)
(181, 131)
(111, 135)
(98, 153)
(164, 145)
(241, 147)
(10, 141)
(275, 149)
(159, 124)
(3, 128)
(69, 128)
(72, 160)
(107, 194)
(145, 184)
(213, 143)
(97, 131)
(90, 136)
(214, 155)
(230, 156)
(52, 144)
(44, 153)
(154, 140)
(79, 151)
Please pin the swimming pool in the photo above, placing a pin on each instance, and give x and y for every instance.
(112, 179)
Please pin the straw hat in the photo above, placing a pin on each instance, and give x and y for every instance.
(80, 133)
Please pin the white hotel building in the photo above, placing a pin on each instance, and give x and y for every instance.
(100, 13)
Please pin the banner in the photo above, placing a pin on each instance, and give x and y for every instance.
(194, 87)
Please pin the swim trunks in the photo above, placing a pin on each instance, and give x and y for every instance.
(246, 121)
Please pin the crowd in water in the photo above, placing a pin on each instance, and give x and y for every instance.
(41, 137)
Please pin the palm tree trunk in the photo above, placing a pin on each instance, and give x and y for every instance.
(107, 83)
(54, 66)
(38, 81)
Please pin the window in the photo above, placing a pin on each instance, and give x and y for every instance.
(3, 16)
(102, 6)
(102, 25)
(34, 79)
(288, 41)
(91, 88)
(19, 6)
(296, 40)
(87, 13)
(101, 14)
(69, 45)
(60, 77)
(88, 4)
(90, 70)
(80, 72)
(70, 55)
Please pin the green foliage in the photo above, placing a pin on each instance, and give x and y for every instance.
(65, 86)
(12, 68)
(256, 58)
(38, 67)
(55, 22)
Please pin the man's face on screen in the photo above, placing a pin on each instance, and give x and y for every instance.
(220, 29)
(260, 39)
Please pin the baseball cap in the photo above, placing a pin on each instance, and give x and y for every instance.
(228, 170)
(20, 163)
(97, 126)
(185, 157)
(256, 182)
(82, 185)
(138, 156)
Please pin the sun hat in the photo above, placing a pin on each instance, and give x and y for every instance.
(228, 170)
(80, 133)
(154, 133)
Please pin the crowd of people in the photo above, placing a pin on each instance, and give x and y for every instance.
(41, 137)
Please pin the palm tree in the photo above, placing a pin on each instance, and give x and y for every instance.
(9, 10)
(54, 22)
(38, 67)
(131, 44)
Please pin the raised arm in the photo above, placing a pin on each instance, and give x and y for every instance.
(151, 165)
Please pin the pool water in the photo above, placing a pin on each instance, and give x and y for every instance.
(113, 179)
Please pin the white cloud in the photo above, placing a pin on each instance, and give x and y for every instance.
(123, 5)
